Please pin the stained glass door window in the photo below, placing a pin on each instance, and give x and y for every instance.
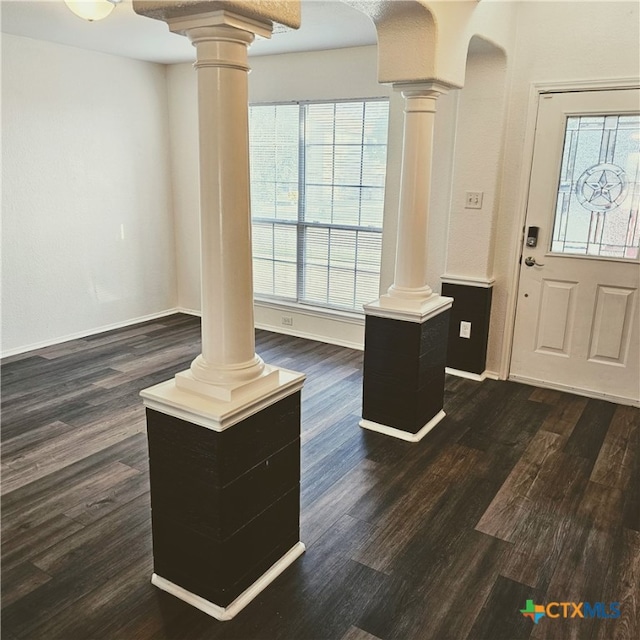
(599, 190)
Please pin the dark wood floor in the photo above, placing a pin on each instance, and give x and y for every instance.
(518, 494)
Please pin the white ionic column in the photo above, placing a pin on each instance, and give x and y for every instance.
(410, 291)
(227, 387)
(228, 359)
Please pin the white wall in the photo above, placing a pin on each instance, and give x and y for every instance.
(320, 75)
(556, 41)
(86, 201)
(183, 135)
(477, 162)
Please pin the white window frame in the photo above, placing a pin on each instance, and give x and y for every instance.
(302, 225)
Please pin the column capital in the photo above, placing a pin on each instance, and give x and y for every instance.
(225, 21)
(421, 89)
(220, 46)
(263, 13)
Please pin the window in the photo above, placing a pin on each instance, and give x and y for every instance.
(597, 204)
(317, 198)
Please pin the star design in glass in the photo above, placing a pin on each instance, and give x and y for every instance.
(603, 187)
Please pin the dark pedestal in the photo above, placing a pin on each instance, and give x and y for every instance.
(470, 304)
(404, 364)
(225, 504)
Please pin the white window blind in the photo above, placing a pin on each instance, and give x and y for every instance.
(317, 199)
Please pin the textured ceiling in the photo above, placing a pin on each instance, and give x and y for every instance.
(325, 25)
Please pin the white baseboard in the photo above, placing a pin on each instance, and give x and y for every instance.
(486, 374)
(190, 312)
(90, 332)
(459, 373)
(399, 433)
(588, 393)
(228, 612)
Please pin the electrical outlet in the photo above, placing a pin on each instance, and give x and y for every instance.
(287, 321)
(473, 200)
(465, 329)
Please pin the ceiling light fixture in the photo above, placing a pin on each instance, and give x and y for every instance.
(92, 10)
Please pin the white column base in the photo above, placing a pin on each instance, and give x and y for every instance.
(267, 380)
(228, 612)
(214, 413)
(399, 433)
(406, 309)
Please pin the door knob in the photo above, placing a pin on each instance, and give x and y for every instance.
(531, 261)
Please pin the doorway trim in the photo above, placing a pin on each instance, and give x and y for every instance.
(536, 89)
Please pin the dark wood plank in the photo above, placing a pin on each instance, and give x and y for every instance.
(326, 510)
(321, 477)
(91, 616)
(387, 606)
(623, 585)
(27, 418)
(512, 502)
(426, 494)
(632, 493)
(353, 633)
(87, 479)
(440, 605)
(564, 415)
(507, 425)
(499, 618)
(120, 493)
(81, 563)
(20, 580)
(20, 545)
(67, 448)
(581, 570)
(34, 437)
(615, 462)
(541, 531)
(590, 430)
(547, 396)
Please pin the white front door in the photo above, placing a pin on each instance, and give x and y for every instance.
(577, 318)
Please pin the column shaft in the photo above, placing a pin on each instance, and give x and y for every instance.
(415, 191)
(228, 343)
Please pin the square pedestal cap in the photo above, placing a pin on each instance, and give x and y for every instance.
(283, 12)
